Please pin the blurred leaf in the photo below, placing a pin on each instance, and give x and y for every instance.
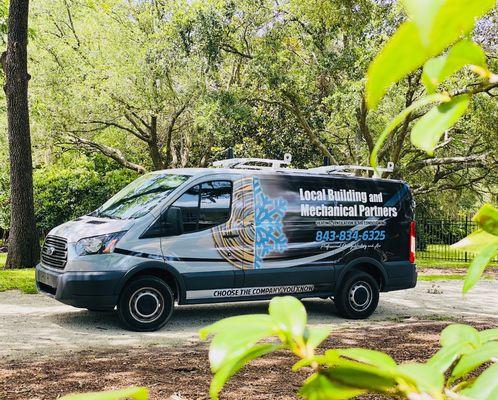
(429, 129)
(136, 393)
(478, 264)
(485, 386)
(235, 335)
(372, 357)
(454, 19)
(436, 70)
(423, 13)
(434, 26)
(459, 334)
(447, 355)
(487, 219)
(232, 366)
(471, 361)
(427, 378)
(258, 321)
(315, 336)
(476, 241)
(402, 54)
(289, 314)
(319, 387)
(358, 374)
(488, 334)
(424, 101)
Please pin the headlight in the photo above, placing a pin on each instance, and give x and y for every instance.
(102, 244)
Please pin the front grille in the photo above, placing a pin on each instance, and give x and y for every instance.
(54, 252)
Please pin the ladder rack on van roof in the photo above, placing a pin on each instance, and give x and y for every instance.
(266, 163)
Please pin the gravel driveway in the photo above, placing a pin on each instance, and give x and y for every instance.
(37, 325)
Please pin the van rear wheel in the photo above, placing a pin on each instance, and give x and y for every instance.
(358, 296)
(145, 304)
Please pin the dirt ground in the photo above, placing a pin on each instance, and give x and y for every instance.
(48, 349)
(183, 372)
(34, 325)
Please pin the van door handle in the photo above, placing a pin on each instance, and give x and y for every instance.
(230, 235)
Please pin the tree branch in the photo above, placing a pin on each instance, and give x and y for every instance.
(108, 151)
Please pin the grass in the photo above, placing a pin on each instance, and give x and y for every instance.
(435, 254)
(21, 279)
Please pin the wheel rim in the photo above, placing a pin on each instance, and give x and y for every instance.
(360, 296)
(146, 305)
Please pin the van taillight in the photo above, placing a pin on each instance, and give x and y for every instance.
(412, 242)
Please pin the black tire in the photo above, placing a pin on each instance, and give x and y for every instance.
(100, 309)
(358, 296)
(145, 304)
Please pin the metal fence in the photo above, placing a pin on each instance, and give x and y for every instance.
(435, 236)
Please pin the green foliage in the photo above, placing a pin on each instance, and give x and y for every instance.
(429, 129)
(349, 372)
(483, 242)
(433, 26)
(63, 192)
(135, 393)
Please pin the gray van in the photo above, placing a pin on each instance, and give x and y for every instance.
(249, 229)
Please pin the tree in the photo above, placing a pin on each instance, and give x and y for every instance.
(23, 250)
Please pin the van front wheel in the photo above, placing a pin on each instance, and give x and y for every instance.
(358, 296)
(145, 304)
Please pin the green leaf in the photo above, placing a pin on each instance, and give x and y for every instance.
(447, 355)
(433, 28)
(423, 13)
(487, 219)
(232, 366)
(289, 314)
(402, 54)
(471, 361)
(459, 334)
(476, 241)
(319, 387)
(436, 70)
(427, 378)
(428, 130)
(235, 335)
(485, 386)
(372, 357)
(454, 19)
(478, 264)
(315, 336)
(358, 374)
(259, 321)
(136, 393)
(488, 335)
(424, 101)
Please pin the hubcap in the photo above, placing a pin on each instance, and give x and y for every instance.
(360, 296)
(146, 304)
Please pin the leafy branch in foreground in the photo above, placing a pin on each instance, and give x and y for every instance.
(349, 372)
(483, 242)
(431, 28)
(135, 393)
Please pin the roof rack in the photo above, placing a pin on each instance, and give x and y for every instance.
(343, 169)
(267, 163)
(254, 163)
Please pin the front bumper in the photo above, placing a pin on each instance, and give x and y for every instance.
(94, 290)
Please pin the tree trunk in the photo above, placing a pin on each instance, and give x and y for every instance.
(155, 153)
(23, 249)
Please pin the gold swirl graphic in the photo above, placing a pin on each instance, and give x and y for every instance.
(235, 239)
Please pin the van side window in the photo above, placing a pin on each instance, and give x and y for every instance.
(215, 203)
(200, 207)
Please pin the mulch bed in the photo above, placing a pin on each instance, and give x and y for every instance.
(183, 372)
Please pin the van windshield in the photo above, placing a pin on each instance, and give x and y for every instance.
(140, 196)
